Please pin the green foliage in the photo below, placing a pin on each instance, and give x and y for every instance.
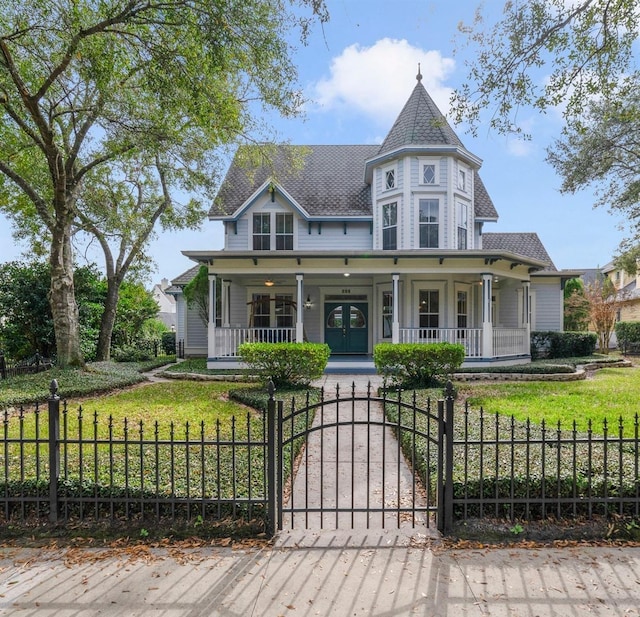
(146, 97)
(26, 326)
(196, 293)
(136, 305)
(576, 306)
(542, 53)
(417, 365)
(562, 344)
(628, 335)
(286, 364)
(168, 343)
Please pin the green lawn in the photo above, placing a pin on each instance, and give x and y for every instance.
(610, 393)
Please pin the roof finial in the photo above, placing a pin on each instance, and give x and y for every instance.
(419, 75)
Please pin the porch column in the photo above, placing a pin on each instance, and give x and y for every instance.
(211, 328)
(487, 320)
(224, 300)
(299, 306)
(395, 318)
(526, 314)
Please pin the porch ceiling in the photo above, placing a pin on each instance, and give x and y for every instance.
(391, 261)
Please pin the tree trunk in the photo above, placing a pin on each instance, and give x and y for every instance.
(108, 319)
(63, 302)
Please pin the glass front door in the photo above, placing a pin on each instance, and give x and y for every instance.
(346, 327)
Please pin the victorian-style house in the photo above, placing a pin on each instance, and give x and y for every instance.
(353, 245)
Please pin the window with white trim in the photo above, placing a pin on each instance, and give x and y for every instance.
(429, 213)
(390, 226)
(284, 231)
(463, 225)
(462, 309)
(462, 179)
(428, 173)
(429, 308)
(262, 231)
(284, 311)
(272, 230)
(387, 313)
(389, 179)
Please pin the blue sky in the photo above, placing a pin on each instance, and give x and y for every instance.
(357, 73)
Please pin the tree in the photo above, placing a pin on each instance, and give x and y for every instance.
(120, 210)
(135, 307)
(546, 53)
(602, 151)
(604, 303)
(27, 324)
(576, 306)
(86, 84)
(196, 294)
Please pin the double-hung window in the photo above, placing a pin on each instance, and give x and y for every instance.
(387, 313)
(261, 232)
(463, 224)
(272, 230)
(429, 308)
(428, 223)
(284, 231)
(390, 226)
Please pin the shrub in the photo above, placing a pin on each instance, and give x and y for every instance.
(628, 335)
(132, 353)
(286, 364)
(169, 343)
(562, 344)
(417, 365)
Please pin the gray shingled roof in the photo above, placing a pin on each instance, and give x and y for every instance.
(420, 123)
(483, 206)
(525, 244)
(330, 183)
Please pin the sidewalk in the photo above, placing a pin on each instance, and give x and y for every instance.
(366, 576)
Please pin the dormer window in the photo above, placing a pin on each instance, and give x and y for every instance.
(272, 230)
(390, 179)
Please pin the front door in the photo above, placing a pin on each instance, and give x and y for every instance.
(346, 327)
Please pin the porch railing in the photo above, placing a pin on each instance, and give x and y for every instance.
(510, 342)
(227, 340)
(471, 338)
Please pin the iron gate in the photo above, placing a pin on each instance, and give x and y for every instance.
(360, 462)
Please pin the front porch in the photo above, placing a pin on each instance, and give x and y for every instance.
(507, 345)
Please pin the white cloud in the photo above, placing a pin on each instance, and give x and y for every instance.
(377, 80)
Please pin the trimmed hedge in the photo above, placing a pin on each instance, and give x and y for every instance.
(417, 365)
(286, 364)
(562, 344)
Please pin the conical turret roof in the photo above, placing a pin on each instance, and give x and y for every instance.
(420, 123)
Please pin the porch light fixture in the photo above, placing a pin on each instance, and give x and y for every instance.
(347, 274)
(307, 303)
(269, 283)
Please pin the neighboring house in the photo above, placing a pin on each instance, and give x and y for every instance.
(628, 286)
(363, 244)
(166, 302)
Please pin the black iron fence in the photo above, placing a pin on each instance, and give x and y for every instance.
(34, 364)
(69, 466)
(504, 468)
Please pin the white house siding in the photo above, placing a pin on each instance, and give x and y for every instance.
(237, 235)
(548, 304)
(507, 304)
(196, 335)
(332, 236)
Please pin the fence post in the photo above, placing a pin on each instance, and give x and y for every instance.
(445, 472)
(54, 450)
(271, 461)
